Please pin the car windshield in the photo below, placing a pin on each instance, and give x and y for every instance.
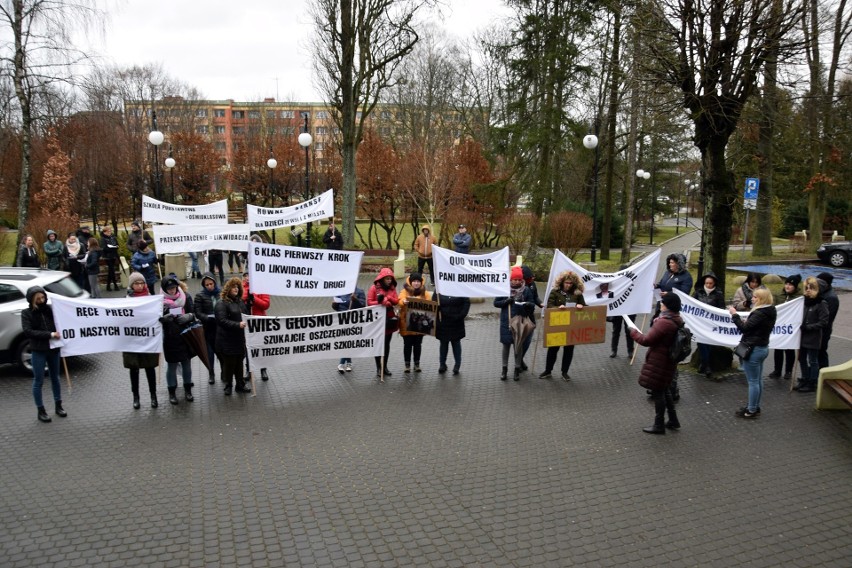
(65, 287)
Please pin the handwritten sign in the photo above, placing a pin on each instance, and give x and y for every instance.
(572, 326)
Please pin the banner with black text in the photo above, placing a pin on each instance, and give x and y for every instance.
(283, 270)
(315, 209)
(154, 211)
(471, 275)
(199, 238)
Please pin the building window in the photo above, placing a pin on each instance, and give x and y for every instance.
(385, 131)
(236, 146)
(238, 114)
(288, 131)
(318, 146)
(238, 130)
(270, 114)
(287, 114)
(305, 114)
(322, 130)
(202, 129)
(270, 131)
(220, 129)
(322, 115)
(386, 115)
(254, 114)
(201, 113)
(219, 113)
(220, 146)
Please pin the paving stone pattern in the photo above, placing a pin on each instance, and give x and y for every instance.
(424, 470)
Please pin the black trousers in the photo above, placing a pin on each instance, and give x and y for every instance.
(388, 338)
(232, 368)
(426, 261)
(150, 374)
(111, 276)
(617, 324)
(567, 357)
(783, 356)
(663, 402)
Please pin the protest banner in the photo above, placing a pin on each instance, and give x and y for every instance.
(626, 292)
(199, 238)
(279, 341)
(314, 209)
(294, 271)
(714, 326)
(108, 324)
(573, 326)
(471, 275)
(418, 316)
(154, 211)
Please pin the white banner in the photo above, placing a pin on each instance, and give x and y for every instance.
(294, 271)
(714, 326)
(154, 211)
(471, 275)
(108, 324)
(279, 341)
(199, 238)
(626, 292)
(314, 209)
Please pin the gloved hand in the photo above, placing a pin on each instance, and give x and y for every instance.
(510, 301)
(380, 298)
(250, 299)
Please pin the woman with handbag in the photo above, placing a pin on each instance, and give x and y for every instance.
(814, 324)
(383, 293)
(754, 346)
(521, 304)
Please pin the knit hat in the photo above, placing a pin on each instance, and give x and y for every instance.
(168, 282)
(827, 277)
(672, 302)
(517, 273)
(794, 279)
(136, 222)
(134, 277)
(415, 276)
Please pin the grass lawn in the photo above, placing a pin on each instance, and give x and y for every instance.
(7, 248)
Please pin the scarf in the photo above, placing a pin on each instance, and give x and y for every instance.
(176, 301)
(709, 291)
(74, 248)
(517, 294)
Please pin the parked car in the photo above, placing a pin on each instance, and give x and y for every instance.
(14, 283)
(836, 254)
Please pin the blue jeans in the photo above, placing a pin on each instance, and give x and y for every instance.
(754, 375)
(186, 371)
(52, 359)
(704, 356)
(443, 350)
(193, 256)
(809, 362)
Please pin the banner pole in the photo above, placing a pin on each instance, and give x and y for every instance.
(382, 372)
(636, 345)
(67, 374)
(793, 374)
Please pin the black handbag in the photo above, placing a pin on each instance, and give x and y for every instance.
(743, 350)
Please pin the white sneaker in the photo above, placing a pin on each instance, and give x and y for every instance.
(341, 368)
(348, 367)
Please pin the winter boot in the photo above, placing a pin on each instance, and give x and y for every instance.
(504, 374)
(154, 403)
(136, 400)
(42, 415)
(173, 395)
(263, 375)
(187, 389)
(59, 410)
(517, 373)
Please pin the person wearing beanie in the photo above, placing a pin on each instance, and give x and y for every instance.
(354, 301)
(780, 356)
(756, 330)
(39, 327)
(231, 337)
(412, 341)
(814, 324)
(144, 262)
(383, 293)
(54, 251)
(659, 368)
(138, 288)
(176, 303)
(833, 304)
(567, 292)
(205, 312)
(136, 235)
(521, 303)
(709, 294)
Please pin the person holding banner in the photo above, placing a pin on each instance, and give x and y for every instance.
(412, 341)
(756, 331)
(257, 304)
(743, 295)
(788, 356)
(332, 238)
(230, 336)
(137, 288)
(205, 312)
(658, 371)
(144, 260)
(39, 327)
(676, 276)
(567, 292)
(423, 247)
(452, 311)
(711, 295)
(383, 293)
(830, 297)
(520, 303)
(178, 313)
(814, 324)
(356, 301)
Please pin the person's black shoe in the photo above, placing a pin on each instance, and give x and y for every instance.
(566, 376)
(211, 380)
(798, 385)
(788, 376)
(154, 403)
(630, 354)
(613, 355)
(742, 410)
(188, 393)
(42, 415)
(518, 373)
(455, 371)
(774, 375)
(744, 413)
(173, 396)
(136, 404)
(228, 389)
(59, 410)
(655, 429)
(505, 374)
(388, 373)
(807, 388)
(523, 366)
(263, 375)
(673, 425)
(243, 388)
(442, 369)
(545, 375)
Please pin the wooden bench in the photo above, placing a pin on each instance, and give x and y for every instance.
(834, 389)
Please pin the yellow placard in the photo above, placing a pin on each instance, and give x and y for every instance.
(574, 326)
(556, 339)
(560, 317)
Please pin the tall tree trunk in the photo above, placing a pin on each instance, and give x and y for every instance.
(719, 193)
(348, 127)
(22, 92)
(816, 197)
(615, 75)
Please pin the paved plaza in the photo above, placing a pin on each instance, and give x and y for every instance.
(321, 469)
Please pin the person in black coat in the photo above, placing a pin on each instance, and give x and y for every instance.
(709, 294)
(178, 314)
(520, 302)
(109, 252)
(814, 324)
(756, 331)
(230, 335)
(789, 293)
(28, 254)
(205, 312)
(833, 304)
(39, 327)
(332, 237)
(452, 310)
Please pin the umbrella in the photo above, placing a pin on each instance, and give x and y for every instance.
(521, 327)
(194, 337)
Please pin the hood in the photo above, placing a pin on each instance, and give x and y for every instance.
(710, 274)
(425, 227)
(230, 285)
(382, 273)
(823, 287)
(679, 258)
(573, 278)
(527, 272)
(209, 276)
(51, 232)
(32, 292)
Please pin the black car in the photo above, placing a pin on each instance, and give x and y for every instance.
(836, 254)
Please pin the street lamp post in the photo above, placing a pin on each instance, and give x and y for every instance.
(677, 211)
(156, 138)
(170, 164)
(642, 174)
(271, 163)
(305, 141)
(701, 247)
(590, 141)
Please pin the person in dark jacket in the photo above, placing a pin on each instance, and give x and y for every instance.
(452, 310)
(28, 254)
(332, 237)
(567, 291)
(215, 260)
(780, 356)
(675, 276)
(231, 337)
(756, 331)
(39, 327)
(529, 282)
(109, 252)
(178, 314)
(138, 288)
(54, 251)
(412, 340)
(75, 253)
(709, 294)
(354, 301)
(462, 240)
(814, 323)
(383, 293)
(135, 236)
(658, 371)
(833, 303)
(520, 302)
(93, 266)
(205, 312)
(144, 262)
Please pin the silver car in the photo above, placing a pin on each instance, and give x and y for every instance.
(14, 283)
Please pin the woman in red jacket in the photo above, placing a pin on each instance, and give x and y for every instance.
(383, 292)
(257, 305)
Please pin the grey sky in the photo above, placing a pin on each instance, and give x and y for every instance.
(237, 50)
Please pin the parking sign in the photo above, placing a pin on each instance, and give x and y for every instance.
(752, 186)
